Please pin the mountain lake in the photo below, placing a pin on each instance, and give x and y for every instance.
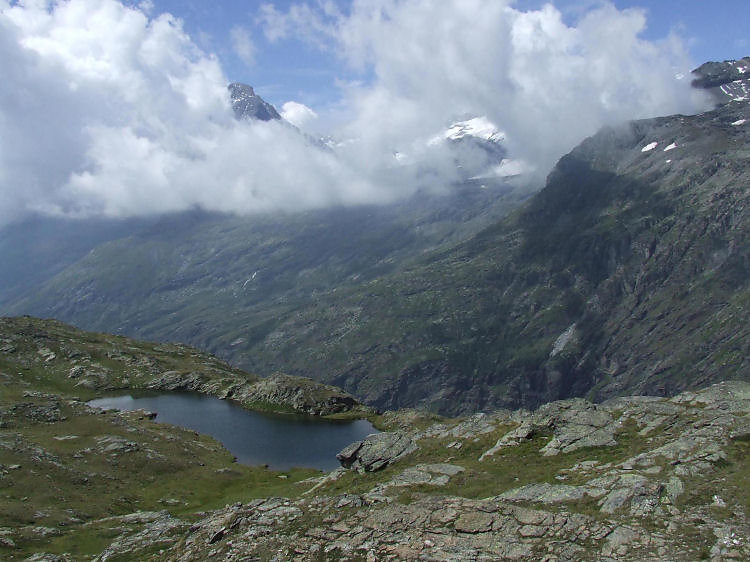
(280, 441)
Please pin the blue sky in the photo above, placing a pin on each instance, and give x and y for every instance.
(291, 69)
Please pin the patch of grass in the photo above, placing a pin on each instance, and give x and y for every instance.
(510, 467)
(63, 483)
(519, 465)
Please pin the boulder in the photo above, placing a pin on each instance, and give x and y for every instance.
(376, 451)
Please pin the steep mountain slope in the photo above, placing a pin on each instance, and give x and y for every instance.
(36, 249)
(218, 281)
(726, 81)
(628, 273)
(159, 276)
(628, 269)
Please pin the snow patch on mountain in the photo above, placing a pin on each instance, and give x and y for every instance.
(738, 90)
(478, 127)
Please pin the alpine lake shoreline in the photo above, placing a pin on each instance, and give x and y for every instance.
(636, 478)
(64, 463)
(278, 441)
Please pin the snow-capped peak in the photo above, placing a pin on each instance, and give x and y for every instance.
(478, 127)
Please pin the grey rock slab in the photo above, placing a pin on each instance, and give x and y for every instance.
(534, 531)
(628, 486)
(376, 451)
(514, 437)
(619, 537)
(545, 493)
(115, 444)
(474, 522)
(741, 429)
(47, 557)
(441, 468)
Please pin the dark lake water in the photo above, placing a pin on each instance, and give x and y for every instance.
(280, 441)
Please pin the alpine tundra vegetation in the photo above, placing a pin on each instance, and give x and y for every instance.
(549, 335)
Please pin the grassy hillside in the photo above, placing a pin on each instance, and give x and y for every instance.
(50, 356)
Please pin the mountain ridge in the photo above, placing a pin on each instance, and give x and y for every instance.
(246, 104)
(726, 81)
(630, 266)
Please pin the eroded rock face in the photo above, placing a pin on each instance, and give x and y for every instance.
(376, 451)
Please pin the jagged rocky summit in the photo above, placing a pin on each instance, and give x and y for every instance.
(249, 105)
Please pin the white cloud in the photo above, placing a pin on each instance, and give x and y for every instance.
(146, 6)
(298, 114)
(311, 23)
(547, 83)
(243, 44)
(105, 109)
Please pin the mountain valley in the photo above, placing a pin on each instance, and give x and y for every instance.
(627, 273)
(556, 372)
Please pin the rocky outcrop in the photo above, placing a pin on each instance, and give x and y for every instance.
(48, 412)
(298, 393)
(624, 509)
(631, 479)
(246, 104)
(727, 81)
(575, 424)
(99, 362)
(376, 451)
(159, 530)
(279, 391)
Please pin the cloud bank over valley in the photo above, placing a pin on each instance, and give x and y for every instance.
(110, 109)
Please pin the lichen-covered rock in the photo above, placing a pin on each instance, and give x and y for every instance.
(545, 493)
(301, 394)
(376, 451)
(160, 531)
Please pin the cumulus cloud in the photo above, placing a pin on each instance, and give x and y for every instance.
(111, 109)
(546, 83)
(298, 114)
(106, 111)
